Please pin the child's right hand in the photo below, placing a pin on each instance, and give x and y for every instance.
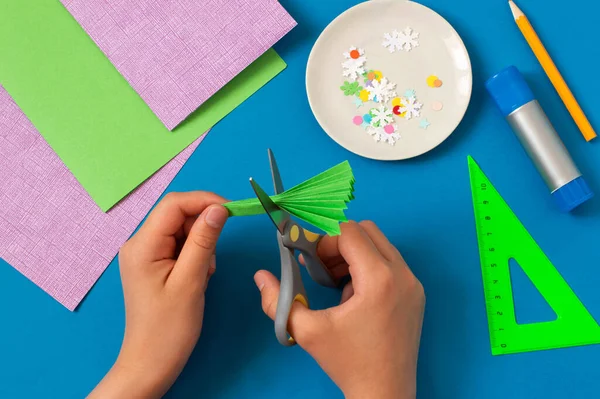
(368, 344)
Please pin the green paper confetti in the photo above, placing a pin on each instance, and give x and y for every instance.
(351, 89)
(319, 201)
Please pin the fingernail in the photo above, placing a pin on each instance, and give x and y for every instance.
(213, 262)
(216, 216)
(259, 281)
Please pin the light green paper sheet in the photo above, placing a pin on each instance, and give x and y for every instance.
(320, 200)
(98, 125)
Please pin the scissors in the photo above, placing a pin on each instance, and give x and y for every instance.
(291, 237)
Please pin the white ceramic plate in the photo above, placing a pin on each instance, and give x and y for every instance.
(441, 52)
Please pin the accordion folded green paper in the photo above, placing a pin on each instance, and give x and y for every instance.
(319, 201)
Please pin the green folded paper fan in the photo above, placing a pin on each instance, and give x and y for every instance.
(320, 201)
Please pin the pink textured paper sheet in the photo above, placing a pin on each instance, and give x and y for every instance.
(50, 229)
(176, 54)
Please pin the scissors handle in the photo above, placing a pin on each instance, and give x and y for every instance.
(297, 238)
(292, 290)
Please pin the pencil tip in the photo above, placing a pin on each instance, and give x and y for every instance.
(516, 11)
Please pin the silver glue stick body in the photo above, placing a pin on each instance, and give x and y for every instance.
(532, 127)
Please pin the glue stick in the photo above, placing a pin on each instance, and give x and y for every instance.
(517, 103)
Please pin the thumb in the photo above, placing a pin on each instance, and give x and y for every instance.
(303, 324)
(196, 255)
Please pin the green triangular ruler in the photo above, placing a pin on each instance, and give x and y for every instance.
(502, 237)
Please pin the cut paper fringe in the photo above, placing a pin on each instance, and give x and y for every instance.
(319, 201)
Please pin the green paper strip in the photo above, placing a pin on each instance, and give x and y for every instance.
(249, 208)
(336, 174)
(334, 214)
(98, 125)
(320, 201)
(329, 226)
(317, 203)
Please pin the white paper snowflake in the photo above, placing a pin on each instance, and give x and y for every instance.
(383, 90)
(411, 107)
(352, 70)
(405, 40)
(354, 64)
(354, 53)
(381, 134)
(381, 116)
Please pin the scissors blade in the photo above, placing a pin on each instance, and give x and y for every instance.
(275, 172)
(277, 215)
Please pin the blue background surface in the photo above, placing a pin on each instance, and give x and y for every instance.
(423, 205)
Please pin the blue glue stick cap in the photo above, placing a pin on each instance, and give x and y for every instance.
(572, 194)
(509, 90)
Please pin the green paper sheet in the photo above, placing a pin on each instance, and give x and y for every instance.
(320, 200)
(98, 125)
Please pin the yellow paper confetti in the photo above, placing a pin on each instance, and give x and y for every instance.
(434, 81)
(431, 80)
(364, 95)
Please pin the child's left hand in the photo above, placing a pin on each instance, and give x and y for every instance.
(165, 269)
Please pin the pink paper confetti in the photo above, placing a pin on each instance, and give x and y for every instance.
(50, 229)
(357, 120)
(176, 54)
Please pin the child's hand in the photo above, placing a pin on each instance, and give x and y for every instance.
(368, 344)
(165, 268)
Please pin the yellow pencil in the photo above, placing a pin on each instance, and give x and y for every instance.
(552, 71)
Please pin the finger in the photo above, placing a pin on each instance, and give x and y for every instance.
(328, 249)
(330, 255)
(196, 255)
(381, 242)
(302, 321)
(212, 266)
(338, 269)
(171, 213)
(347, 293)
(183, 232)
(212, 269)
(358, 250)
(189, 223)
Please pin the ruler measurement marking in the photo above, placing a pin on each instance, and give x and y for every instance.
(492, 265)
